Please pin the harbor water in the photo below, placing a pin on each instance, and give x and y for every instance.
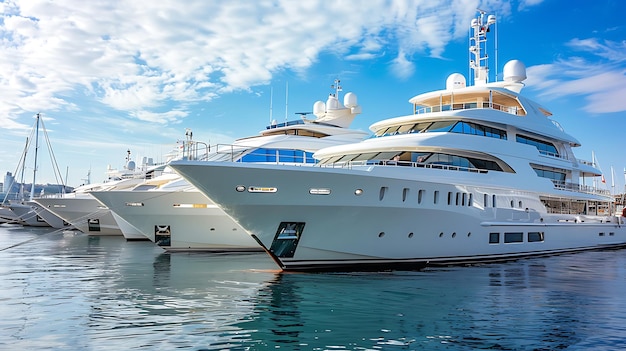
(64, 290)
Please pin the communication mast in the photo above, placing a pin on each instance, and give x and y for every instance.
(478, 47)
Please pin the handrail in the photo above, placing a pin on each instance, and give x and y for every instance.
(567, 186)
(351, 164)
(514, 110)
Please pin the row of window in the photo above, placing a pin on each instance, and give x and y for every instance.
(554, 174)
(278, 155)
(418, 159)
(452, 126)
(457, 198)
(470, 128)
(543, 146)
(516, 237)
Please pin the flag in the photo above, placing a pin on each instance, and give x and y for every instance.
(603, 180)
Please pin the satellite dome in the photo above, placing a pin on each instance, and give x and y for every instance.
(130, 165)
(319, 108)
(349, 100)
(514, 71)
(455, 81)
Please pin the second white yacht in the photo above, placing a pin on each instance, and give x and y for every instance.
(178, 217)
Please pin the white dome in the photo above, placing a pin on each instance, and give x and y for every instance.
(349, 100)
(319, 108)
(514, 71)
(332, 103)
(455, 81)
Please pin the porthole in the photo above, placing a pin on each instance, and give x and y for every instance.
(358, 192)
(212, 229)
(410, 234)
(240, 188)
(383, 191)
(381, 234)
(441, 234)
(454, 234)
(469, 234)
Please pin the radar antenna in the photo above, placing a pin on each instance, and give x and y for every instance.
(478, 47)
(337, 87)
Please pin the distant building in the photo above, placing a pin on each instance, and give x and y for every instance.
(10, 189)
(8, 182)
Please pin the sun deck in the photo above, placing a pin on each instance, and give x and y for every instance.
(487, 99)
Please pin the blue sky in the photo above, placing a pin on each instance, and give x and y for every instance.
(114, 75)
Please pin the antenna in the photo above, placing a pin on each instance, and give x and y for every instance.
(336, 87)
(271, 99)
(478, 44)
(286, 99)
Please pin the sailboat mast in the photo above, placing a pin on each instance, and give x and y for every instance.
(32, 189)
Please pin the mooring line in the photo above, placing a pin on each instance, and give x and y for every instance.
(32, 239)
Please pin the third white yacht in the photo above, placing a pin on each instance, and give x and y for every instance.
(476, 173)
(85, 213)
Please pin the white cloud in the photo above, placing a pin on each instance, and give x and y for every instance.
(401, 67)
(138, 56)
(602, 83)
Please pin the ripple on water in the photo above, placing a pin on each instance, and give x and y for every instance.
(69, 291)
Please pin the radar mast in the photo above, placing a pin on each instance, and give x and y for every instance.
(478, 47)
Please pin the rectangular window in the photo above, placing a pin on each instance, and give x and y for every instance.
(513, 237)
(535, 236)
(494, 238)
(420, 194)
(436, 197)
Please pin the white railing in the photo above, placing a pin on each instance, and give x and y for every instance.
(351, 164)
(514, 110)
(561, 185)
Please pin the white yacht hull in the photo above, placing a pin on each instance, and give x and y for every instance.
(128, 231)
(27, 215)
(53, 220)
(83, 212)
(179, 220)
(387, 225)
(6, 215)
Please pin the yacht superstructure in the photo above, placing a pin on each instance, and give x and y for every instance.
(476, 173)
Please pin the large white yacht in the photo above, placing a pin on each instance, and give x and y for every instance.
(178, 217)
(476, 173)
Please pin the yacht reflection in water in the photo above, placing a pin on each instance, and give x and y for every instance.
(546, 304)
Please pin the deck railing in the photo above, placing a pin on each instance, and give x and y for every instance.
(351, 164)
(514, 110)
(561, 185)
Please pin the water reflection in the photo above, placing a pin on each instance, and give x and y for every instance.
(539, 304)
(68, 291)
